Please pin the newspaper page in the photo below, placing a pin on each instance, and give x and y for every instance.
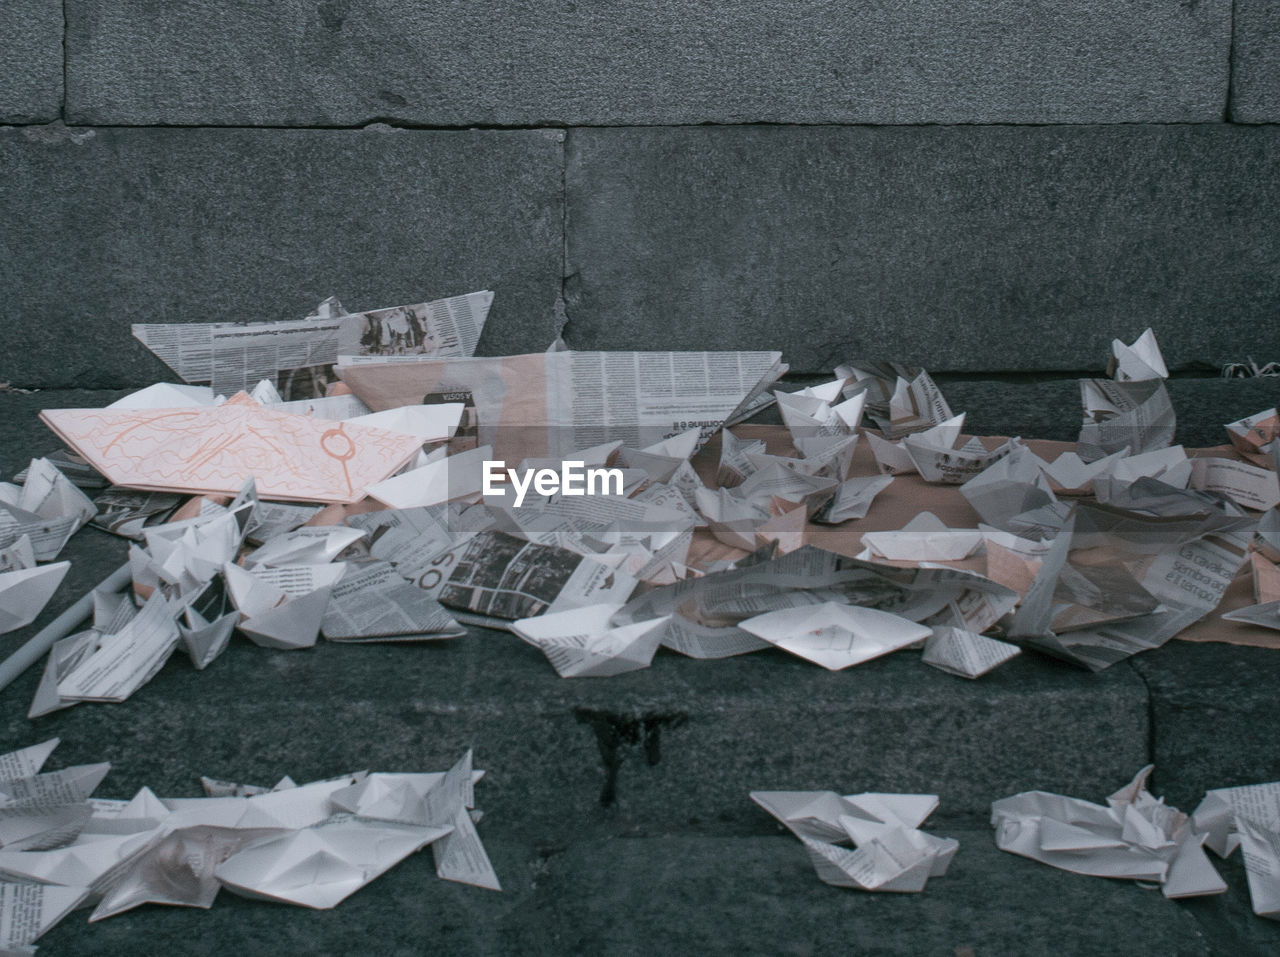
(126, 512)
(1136, 415)
(373, 603)
(1188, 579)
(915, 406)
(1246, 485)
(47, 536)
(696, 640)
(28, 910)
(122, 663)
(554, 403)
(25, 762)
(299, 355)
(877, 380)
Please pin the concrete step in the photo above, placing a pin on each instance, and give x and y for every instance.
(1212, 716)
(705, 895)
(962, 248)
(674, 746)
(760, 896)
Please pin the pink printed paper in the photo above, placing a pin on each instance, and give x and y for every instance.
(213, 450)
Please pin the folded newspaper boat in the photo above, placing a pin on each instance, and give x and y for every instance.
(892, 854)
(300, 354)
(214, 450)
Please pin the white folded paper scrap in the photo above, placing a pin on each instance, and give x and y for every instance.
(891, 852)
(1247, 817)
(1135, 835)
(834, 635)
(580, 643)
(925, 538)
(25, 591)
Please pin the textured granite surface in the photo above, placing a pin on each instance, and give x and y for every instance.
(104, 228)
(1255, 62)
(760, 896)
(958, 248)
(1213, 714)
(683, 894)
(31, 36)
(535, 62)
(1051, 409)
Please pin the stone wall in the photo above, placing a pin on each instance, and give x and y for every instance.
(980, 187)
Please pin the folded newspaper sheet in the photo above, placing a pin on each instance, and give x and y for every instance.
(965, 654)
(1132, 410)
(26, 588)
(835, 635)
(1133, 836)
(553, 403)
(1183, 563)
(1137, 362)
(127, 512)
(581, 643)
(299, 355)
(373, 603)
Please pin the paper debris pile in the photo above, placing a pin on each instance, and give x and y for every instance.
(890, 852)
(454, 502)
(308, 844)
(1137, 836)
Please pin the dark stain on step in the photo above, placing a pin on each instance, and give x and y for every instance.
(618, 735)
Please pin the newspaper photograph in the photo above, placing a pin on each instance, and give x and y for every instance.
(503, 577)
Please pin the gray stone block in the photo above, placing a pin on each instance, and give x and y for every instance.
(1212, 708)
(256, 715)
(958, 248)
(24, 437)
(114, 226)
(769, 721)
(31, 36)
(1051, 409)
(671, 748)
(654, 62)
(761, 896)
(1255, 62)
